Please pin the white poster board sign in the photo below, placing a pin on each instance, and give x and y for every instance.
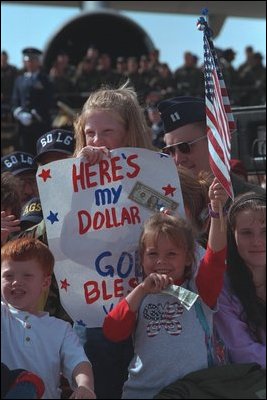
(93, 226)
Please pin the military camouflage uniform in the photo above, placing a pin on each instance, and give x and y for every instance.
(51, 301)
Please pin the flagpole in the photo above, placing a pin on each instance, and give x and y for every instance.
(219, 118)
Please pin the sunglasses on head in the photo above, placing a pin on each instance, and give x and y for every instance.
(183, 147)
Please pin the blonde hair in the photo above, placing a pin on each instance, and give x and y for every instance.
(24, 249)
(122, 101)
(176, 229)
(195, 192)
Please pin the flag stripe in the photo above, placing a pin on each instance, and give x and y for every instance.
(222, 114)
(219, 117)
(221, 177)
(213, 125)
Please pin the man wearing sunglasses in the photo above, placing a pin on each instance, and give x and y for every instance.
(185, 132)
(184, 120)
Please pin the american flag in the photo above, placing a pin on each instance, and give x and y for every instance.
(219, 117)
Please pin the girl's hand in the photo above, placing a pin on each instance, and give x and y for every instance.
(92, 154)
(155, 283)
(217, 195)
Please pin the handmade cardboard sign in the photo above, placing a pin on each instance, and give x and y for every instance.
(94, 216)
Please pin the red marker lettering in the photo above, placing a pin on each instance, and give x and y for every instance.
(84, 219)
(91, 292)
(106, 296)
(118, 288)
(98, 221)
(115, 168)
(103, 172)
(78, 177)
(136, 168)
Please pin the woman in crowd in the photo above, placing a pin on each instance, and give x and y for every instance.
(241, 319)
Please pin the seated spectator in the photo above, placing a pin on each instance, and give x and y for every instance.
(133, 74)
(145, 72)
(63, 61)
(121, 66)
(253, 78)
(154, 60)
(22, 165)
(33, 340)
(87, 77)
(62, 83)
(189, 80)
(230, 74)
(107, 75)
(241, 319)
(249, 52)
(93, 53)
(163, 81)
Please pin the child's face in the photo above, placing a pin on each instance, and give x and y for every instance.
(250, 236)
(165, 258)
(22, 283)
(103, 128)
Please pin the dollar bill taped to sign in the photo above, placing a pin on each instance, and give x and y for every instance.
(186, 297)
(150, 198)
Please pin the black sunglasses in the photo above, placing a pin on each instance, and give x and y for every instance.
(183, 147)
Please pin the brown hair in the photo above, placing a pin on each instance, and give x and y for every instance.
(24, 249)
(175, 229)
(122, 101)
(195, 192)
(240, 276)
(10, 193)
(246, 201)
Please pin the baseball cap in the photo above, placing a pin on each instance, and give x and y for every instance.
(180, 111)
(18, 162)
(32, 211)
(31, 53)
(58, 140)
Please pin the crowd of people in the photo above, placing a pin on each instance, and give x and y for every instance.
(217, 253)
(247, 83)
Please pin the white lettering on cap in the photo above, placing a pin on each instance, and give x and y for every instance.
(26, 159)
(175, 116)
(11, 161)
(47, 139)
(67, 140)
